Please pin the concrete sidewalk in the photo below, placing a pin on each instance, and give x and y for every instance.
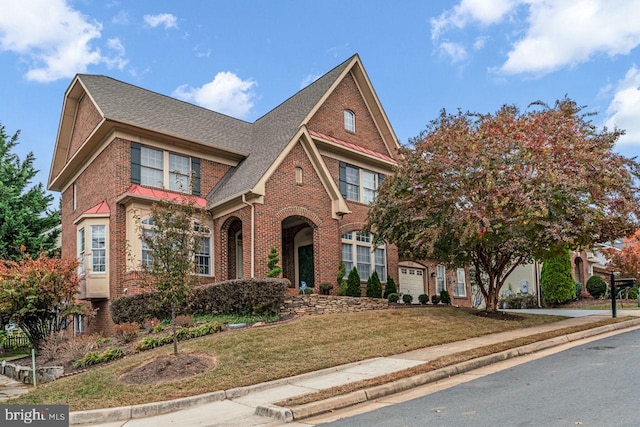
(254, 405)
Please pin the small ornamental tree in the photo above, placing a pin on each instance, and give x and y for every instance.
(175, 238)
(341, 290)
(556, 281)
(353, 284)
(626, 261)
(39, 294)
(390, 287)
(494, 191)
(374, 287)
(272, 265)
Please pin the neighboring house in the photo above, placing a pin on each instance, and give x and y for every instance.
(299, 179)
(525, 279)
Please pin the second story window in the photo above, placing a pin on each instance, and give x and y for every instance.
(98, 248)
(153, 167)
(359, 185)
(349, 120)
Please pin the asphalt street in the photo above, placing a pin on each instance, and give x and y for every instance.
(595, 384)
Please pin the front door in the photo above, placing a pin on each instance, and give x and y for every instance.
(305, 265)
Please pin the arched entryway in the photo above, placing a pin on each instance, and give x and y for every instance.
(235, 254)
(578, 270)
(298, 258)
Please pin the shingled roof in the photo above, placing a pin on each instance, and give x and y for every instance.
(270, 135)
(124, 103)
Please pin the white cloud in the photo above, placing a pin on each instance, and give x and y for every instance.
(226, 93)
(570, 32)
(309, 79)
(165, 19)
(486, 12)
(54, 40)
(454, 51)
(624, 110)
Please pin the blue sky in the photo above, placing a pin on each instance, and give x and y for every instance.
(243, 57)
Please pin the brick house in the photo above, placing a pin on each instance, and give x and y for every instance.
(299, 179)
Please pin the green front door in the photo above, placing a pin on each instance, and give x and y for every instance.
(305, 265)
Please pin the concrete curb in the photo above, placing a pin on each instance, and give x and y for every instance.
(316, 408)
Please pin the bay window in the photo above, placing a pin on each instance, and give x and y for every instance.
(359, 250)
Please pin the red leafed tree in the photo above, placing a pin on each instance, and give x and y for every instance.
(498, 190)
(39, 294)
(626, 261)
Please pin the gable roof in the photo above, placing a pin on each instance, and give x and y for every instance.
(273, 132)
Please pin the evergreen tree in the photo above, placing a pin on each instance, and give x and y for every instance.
(274, 259)
(353, 284)
(390, 287)
(374, 287)
(556, 281)
(26, 221)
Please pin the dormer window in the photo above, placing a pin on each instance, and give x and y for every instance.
(349, 120)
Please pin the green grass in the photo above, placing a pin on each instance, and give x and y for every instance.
(253, 355)
(234, 318)
(14, 356)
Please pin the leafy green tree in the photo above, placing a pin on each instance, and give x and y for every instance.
(26, 221)
(353, 284)
(390, 287)
(494, 191)
(374, 287)
(39, 294)
(556, 280)
(175, 238)
(272, 264)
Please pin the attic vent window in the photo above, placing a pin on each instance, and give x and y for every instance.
(349, 120)
(299, 175)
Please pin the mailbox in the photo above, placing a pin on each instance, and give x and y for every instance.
(625, 283)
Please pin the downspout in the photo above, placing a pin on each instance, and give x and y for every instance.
(253, 233)
(536, 277)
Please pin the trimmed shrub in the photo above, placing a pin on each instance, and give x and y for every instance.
(596, 286)
(390, 287)
(325, 288)
(578, 290)
(556, 281)
(272, 264)
(407, 298)
(435, 299)
(353, 284)
(445, 298)
(392, 297)
(519, 301)
(241, 296)
(633, 292)
(374, 287)
(423, 298)
(307, 291)
(184, 320)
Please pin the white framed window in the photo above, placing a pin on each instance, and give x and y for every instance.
(151, 167)
(440, 278)
(78, 324)
(81, 251)
(98, 249)
(203, 257)
(147, 233)
(349, 120)
(460, 290)
(179, 173)
(359, 185)
(359, 250)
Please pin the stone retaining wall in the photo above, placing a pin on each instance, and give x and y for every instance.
(326, 304)
(24, 374)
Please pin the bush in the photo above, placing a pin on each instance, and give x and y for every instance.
(307, 291)
(596, 286)
(325, 288)
(435, 299)
(374, 287)
(353, 284)
(578, 290)
(423, 298)
(516, 301)
(633, 292)
(392, 297)
(556, 281)
(240, 296)
(93, 358)
(407, 298)
(184, 321)
(390, 287)
(272, 264)
(182, 334)
(127, 332)
(445, 298)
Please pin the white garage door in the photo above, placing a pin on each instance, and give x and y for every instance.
(412, 282)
